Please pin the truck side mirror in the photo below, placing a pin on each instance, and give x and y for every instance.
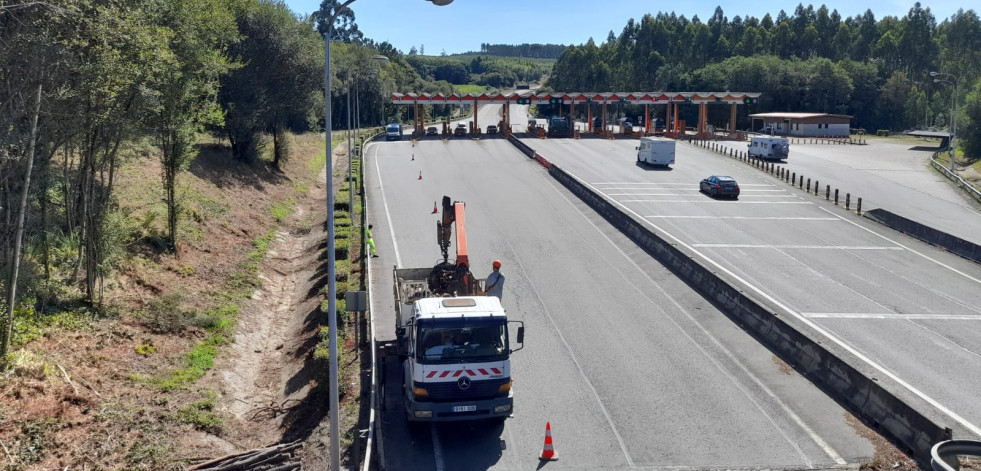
(521, 334)
(636, 148)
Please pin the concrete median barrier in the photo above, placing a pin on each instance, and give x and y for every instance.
(842, 376)
(953, 244)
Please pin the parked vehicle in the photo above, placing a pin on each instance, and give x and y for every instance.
(460, 130)
(559, 127)
(492, 129)
(769, 147)
(432, 131)
(453, 341)
(656, 151)
(393, 132)
(718, 185)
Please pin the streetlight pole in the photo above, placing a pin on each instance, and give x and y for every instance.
(950, 79)
(335, 448)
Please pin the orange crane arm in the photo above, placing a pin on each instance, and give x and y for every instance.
(461, 235)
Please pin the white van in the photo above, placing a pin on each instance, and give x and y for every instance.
(393, 132)
(768, 147)
(656, 151)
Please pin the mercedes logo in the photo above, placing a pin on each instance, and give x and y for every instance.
(463, 383)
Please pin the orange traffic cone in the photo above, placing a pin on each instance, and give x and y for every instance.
(548, 453)
(434, 208)
(420, 174)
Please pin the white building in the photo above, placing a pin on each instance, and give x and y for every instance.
(802, 124)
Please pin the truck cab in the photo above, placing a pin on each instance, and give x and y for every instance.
(455, 356)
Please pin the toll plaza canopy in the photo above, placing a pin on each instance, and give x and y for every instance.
(633, 98)
(674, 127)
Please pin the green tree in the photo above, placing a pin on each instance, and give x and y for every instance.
(185, 86)
(969, 123)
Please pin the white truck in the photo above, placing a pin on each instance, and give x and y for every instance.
(656, 151)
(454, 342)
(769, 147)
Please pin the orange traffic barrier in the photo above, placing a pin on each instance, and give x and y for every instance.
(548, 453)
(434, 208)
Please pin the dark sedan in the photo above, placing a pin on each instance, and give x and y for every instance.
(718, 185)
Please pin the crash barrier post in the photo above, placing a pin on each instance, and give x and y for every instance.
(836, 197)
(858, 207)
(848, 200)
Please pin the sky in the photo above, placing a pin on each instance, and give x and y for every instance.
(464, 25)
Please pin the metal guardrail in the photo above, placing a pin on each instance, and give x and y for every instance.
(967, 187)
(943, 455)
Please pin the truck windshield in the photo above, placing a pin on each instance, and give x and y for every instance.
(447, 343)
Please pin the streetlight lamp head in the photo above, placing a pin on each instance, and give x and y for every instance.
(934, 74)
(441, 3)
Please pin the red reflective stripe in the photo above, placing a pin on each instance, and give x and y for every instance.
(431, 374)
(483, 372)
(457, 373)
(496, 371)
(444, 374)
(471, 373)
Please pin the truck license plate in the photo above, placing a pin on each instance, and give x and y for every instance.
(464, 408)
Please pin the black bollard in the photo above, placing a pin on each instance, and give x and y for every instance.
(836, 197)
(848, 200)
(827, 193)
(858, 208)
(816, 186)
(808, 185)
(802, 182)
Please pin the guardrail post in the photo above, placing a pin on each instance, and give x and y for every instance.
(827, 193)
(793, 178)
(836, 197)
(817, 185)
(858, 208)
(802, 182)
(808, 185)
(848, 199)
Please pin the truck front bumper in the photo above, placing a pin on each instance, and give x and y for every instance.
(424, 411)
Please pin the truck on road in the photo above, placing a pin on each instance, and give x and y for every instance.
(656, 151)
(454, 343)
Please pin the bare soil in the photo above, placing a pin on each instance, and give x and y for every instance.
(89, 397)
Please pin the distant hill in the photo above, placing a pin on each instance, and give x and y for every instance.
(534, 51)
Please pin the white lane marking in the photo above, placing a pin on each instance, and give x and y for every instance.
(558, 331)
(841, 343)
(818, 440)
(938, 262)
(709, 200)
(753, 218)
(437, 447)
(768, 246)
(696, 190)
(673, 184)
(864, 315)
(388, 214)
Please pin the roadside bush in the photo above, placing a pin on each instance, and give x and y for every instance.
(164, 314)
